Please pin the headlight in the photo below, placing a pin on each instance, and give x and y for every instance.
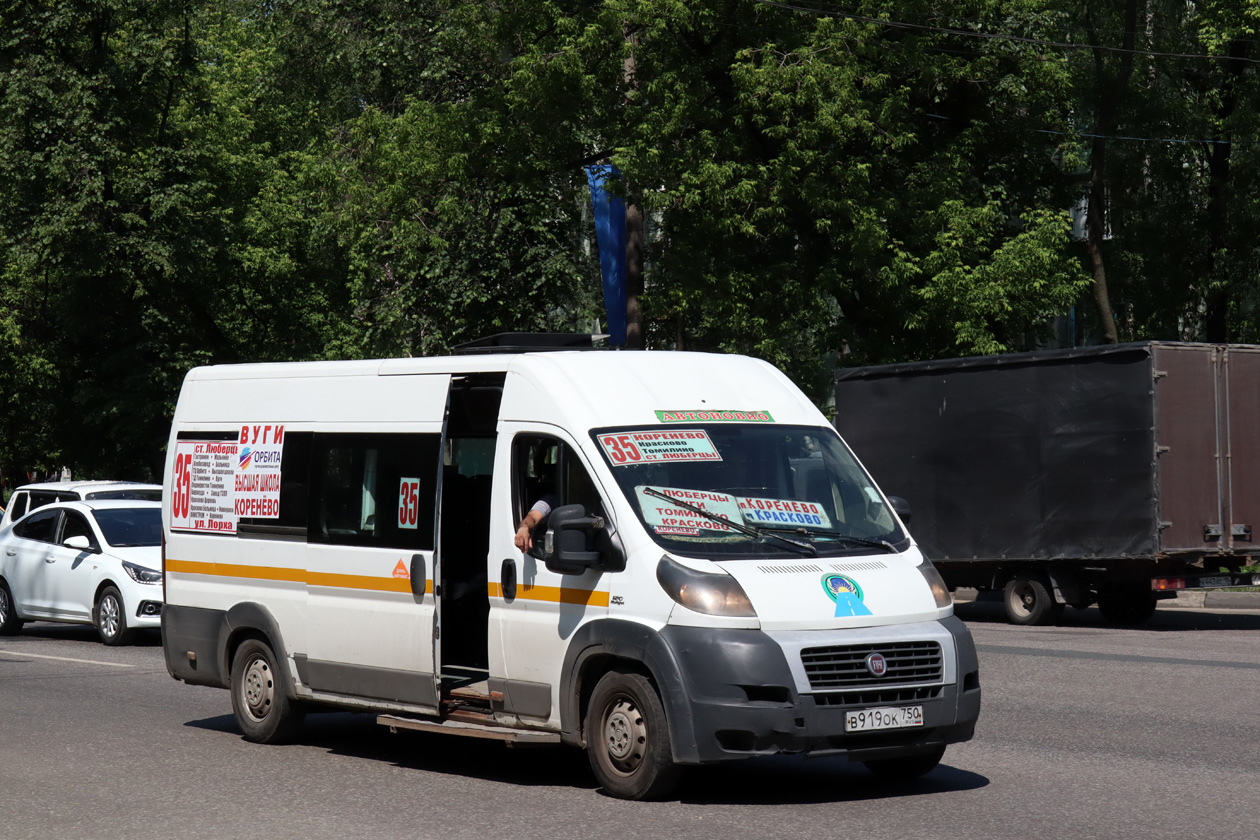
(704, 592)
(140, 574)
(939, 590)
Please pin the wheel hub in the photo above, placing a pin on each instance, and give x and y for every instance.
(258, 688)
(109, 616)
(625, 735)
(1024, 597)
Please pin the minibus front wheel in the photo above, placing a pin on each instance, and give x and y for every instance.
(627, 740)
(263, 710)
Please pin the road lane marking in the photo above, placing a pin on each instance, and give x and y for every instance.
(65, 658)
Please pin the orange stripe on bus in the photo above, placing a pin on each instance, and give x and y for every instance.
(338, 581)
(553, 594)
(376, 584)
(193, 567)
(524, 591)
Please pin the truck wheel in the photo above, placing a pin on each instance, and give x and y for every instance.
(907, 768)
(263, 711)
(1126, 603)
(1029, 601)
(627, 741)
(10, 624)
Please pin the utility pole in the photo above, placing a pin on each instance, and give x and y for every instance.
(635, 340)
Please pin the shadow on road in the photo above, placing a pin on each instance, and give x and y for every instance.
(776, 779)
(803, 781)
(1165, 619)
(55, 631)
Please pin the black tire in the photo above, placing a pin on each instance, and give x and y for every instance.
(907, 768)
(1029, 601)
(262, 708)
(10, 624)
(110, 617)
(627, 740)
(1126, 603)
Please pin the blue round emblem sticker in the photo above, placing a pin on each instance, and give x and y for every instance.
(847, 594)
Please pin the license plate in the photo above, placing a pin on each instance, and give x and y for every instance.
(1215, 581)
(871, 719)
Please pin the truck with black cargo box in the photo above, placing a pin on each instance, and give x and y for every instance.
(1112, 475)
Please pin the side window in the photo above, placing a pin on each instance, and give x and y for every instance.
(41, 498)
(74, 525)
(39, 526)
(547, 468)
(374, 490)
(17, 506)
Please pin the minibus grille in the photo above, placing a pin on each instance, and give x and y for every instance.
(844, 666)
(878, 698)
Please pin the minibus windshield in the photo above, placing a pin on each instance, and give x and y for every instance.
(749, 489)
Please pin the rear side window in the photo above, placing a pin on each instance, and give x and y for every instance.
(374, 490)
(17, 505)
(39, 526)
(39, 498)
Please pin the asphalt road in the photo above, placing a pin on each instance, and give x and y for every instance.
(1086, 731)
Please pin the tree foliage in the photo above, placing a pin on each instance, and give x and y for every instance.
(184, 182)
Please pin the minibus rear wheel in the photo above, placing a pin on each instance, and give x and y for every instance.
(627, 740)
(263, 710)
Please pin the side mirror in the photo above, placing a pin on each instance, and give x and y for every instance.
(79, 543)
(900, 507)
(569, 547)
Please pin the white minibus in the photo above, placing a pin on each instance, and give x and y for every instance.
(712, 575)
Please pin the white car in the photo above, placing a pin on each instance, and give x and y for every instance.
(28, 497)
(90, 562)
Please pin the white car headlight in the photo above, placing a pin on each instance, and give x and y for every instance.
(141, 574)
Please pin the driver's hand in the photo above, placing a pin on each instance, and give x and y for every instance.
(524, 541)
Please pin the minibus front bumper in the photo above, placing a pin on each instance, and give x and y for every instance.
(734, 695)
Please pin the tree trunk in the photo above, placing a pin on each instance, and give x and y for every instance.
(1217, 294)
(1111, 93)
(1095, 232)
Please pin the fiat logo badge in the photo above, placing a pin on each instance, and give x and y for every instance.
(877, 664)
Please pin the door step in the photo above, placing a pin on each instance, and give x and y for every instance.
(469, 729)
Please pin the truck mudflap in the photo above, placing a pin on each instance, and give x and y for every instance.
(740, 700)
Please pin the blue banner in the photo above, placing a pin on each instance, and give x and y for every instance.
(610, 234)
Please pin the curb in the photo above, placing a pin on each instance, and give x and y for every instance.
(1194, 599)
(1214, 599)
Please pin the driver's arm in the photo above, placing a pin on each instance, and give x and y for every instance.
(524, 541)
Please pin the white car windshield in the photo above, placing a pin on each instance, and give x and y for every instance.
(128, 527)
(745, 489)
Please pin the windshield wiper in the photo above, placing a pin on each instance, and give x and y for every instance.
(746, 530)
(864, 541)
(834, 535)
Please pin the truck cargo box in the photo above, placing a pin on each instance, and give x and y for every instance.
(1123, 461)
